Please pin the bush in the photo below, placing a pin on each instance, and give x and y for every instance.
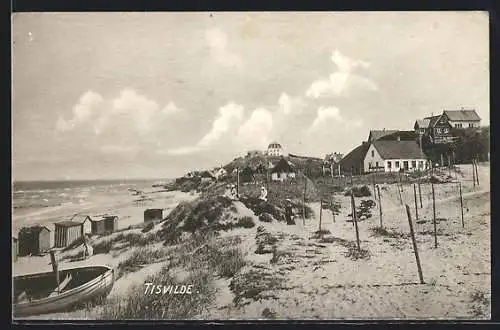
(266, 217)
(103, 247)
(246, 222)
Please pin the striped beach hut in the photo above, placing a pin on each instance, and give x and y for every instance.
(85, 220)
(104, 224)
(66, 232)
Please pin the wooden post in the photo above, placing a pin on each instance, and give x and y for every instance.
(415, 197)
(449, 165)
(320, 211)
(420, 193)
(355, 219)
(477, 174)
(304, 201)
(339, 172)
(442, 163)
(331, 170)
(55, 268)
(332, 201)
(473, 174)
(373, 184)
(380, 207)
(415, 249)
(237, 182)
(434, 215)
(461, 204)
(352, 173)
(399, 190)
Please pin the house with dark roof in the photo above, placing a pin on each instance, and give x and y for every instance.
(353, 162)
(394, 156)
(439, 129)
(283, 170)
(377, 134)
(104, 224)
(462, 118)
(33, 240)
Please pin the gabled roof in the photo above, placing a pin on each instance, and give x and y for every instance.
(377, 134)
(422, 123)
(433, 120)
(398, 149)
(462, 115)
(81, 218)
(68, 223)
(33, 230)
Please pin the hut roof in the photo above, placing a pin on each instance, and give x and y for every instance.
(33, 230)
(80, 218)
(377, 134)
(68, 223)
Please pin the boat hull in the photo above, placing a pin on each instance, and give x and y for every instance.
(96, 288)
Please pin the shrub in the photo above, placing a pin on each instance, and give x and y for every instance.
(148, 227)
(246, 222)
(103, 247)
(139, 258)
(362, 191)
(266, 217)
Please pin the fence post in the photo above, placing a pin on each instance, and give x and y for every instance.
(55, 267)
(373, 183)
(477, 174)
(320, 211)
(332, 207)
(415, 197)
(419, 193)
(434, 215)
(355, 219)
(237, 182)
(304, 202)
(461, 204)
(380, 207)
(415, 249)
(473, 173)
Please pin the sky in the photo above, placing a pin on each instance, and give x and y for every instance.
(154, 95)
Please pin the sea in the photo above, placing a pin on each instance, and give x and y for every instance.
(43, 201)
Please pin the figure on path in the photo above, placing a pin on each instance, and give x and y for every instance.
(289, 212)
(263, 194)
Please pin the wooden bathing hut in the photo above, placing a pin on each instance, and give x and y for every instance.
(105, 224)
(153, 215)
(67, 232)
(33, 240)
(85, 220)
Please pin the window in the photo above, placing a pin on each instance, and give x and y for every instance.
(413, 163)
(422, 130)
(438, 130)
(389, 164)
(456, 125)
(376, 165)
(471, 125)
(420, 164)
(397, 164)
(445, 130)
(373, 153)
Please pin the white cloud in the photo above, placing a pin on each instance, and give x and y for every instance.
(256, 131)
(170, 108)
(82, 111)
(181, 151)
(229, 115)
(339, 83)
(327, 114)
(217, 41)
(290, 105)
(135, 107)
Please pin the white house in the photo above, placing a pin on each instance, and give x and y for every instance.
(392, 156)
(462, 118)
(219, 172)
(274, 149)
(283, 170)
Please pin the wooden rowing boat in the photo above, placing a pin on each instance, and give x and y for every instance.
(42, 293)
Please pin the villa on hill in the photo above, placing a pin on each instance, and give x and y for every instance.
(283, 170)
(274, 149)
(394, 156)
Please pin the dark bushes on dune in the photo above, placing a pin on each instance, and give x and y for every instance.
(362, 191)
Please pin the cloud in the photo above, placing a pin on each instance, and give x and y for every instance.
(290, 105)
(339, 83)
(135, 107)
(229, 114)
(217, 42)
(82, 111)
(181, 151)
(170, 108)
(328, 114)
(256, 130)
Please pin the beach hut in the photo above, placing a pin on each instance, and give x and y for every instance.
(33, 240)
(85, 220)
(104, 224)
(67, 232)
(153, 215)
(15, 248)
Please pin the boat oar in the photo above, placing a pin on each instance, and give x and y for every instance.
(54, 267)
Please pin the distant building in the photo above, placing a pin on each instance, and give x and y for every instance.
(153, 215)
(353, 162)
(274, 149)
(34, 240)
(378, 134)
(219, 172)
(283, 170)
(462, 118)
(207, 176)
(421, 126)
(439, 130)
(67, 232)
(393, 156)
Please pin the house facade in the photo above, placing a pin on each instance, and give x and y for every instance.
(462, 118)
(274, 149)
(282, 171)
(394, 156)
(439, 130)
(66, 232)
